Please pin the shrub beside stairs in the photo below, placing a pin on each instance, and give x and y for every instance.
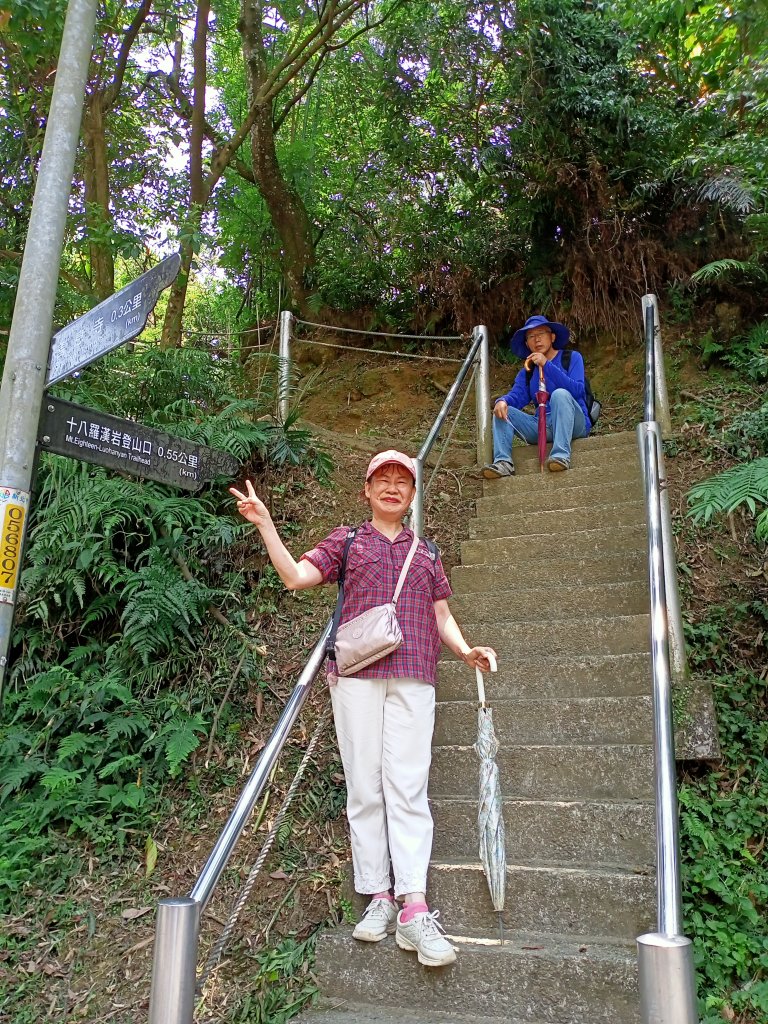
(554, 577)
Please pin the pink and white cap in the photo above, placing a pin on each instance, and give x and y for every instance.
(388, 458)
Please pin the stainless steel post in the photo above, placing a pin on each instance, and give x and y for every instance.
(252, 790)
(667, 981)
(30, 337)
(678, 656)
(662, 398)
(483, 399)
(668, 868)
(417, 508)
(172, 999)
(284, 364)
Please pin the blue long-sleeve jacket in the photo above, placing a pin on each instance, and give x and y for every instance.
(555, 377)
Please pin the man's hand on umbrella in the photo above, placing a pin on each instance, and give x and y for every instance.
(500, 410)
(537, 358)
(480, 657)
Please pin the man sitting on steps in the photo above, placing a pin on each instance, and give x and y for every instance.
(567, 416)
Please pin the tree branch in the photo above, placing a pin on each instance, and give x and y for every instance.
(112, 91)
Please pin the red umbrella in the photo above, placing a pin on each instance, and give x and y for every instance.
(542, 396)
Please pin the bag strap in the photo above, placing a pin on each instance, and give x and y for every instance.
(406, 567)
(330, 643)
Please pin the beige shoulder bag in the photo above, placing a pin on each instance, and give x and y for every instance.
(371, 635)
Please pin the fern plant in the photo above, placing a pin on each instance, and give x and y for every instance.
(744, 485)
(119, 668)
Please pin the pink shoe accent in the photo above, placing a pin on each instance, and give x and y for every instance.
(387, 895)
(410, 910)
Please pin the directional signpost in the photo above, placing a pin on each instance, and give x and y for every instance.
(93, 436)
(81, 433)
(110, 324)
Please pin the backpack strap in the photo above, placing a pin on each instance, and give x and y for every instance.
(330, 643)
(432, 548)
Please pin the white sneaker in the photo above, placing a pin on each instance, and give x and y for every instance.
(378, 921)
(424, 936)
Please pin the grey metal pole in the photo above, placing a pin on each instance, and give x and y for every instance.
(668, 894)
(417, 508)
(667, 980)
(30, 337)
(483, 399)
(252, 790)
(284, 364)
(662, 398)
(677, 653)
(172, 999)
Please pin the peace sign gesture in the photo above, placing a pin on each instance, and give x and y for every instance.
(250, 506)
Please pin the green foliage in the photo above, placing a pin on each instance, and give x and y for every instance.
(725, 268)
(747, 433)
(118, 666)
(282, 983)
(746, 485)
(723, 827)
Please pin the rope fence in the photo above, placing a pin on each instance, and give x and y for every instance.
(449, 435)
(215, 332)
(220, 945)
(384, 334)
(378, 351)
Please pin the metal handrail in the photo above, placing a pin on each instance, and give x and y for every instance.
(478, 355)
(665, 957)
(178, 920)
(177, 928)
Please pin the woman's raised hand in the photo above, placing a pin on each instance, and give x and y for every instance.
(250, 506)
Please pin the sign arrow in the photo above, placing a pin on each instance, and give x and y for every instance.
(110, 324)
(103, 440)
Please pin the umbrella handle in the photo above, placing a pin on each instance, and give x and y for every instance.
(480, 681)
(527, 365)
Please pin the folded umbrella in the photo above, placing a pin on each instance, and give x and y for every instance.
(542, 397)
(490, 822)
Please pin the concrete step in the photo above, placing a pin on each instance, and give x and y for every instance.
(617, 634)
(588, 772)
(554, 602)
(535, 482)
(341, 1011)
(624, 513)
(569, 901)
(560, 499)
(557, 722)
(552, 980)
(610, 675)
(622, 440)
(614, 540)
(501, 576)
(579, 832)
(526, 457)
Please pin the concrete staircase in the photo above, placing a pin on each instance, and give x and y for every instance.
(554, 577)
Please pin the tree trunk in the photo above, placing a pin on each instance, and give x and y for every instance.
(174, 312)
(199, 192)
(286, 208)
(98, 215)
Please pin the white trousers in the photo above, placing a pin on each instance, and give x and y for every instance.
(384, 728)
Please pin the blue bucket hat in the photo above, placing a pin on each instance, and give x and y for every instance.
(517, 341)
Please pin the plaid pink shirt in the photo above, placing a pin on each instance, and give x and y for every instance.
(373, 566)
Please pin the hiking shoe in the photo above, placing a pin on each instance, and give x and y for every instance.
(424, 936)
(378, 921)
(498, 469)
(558, 465)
